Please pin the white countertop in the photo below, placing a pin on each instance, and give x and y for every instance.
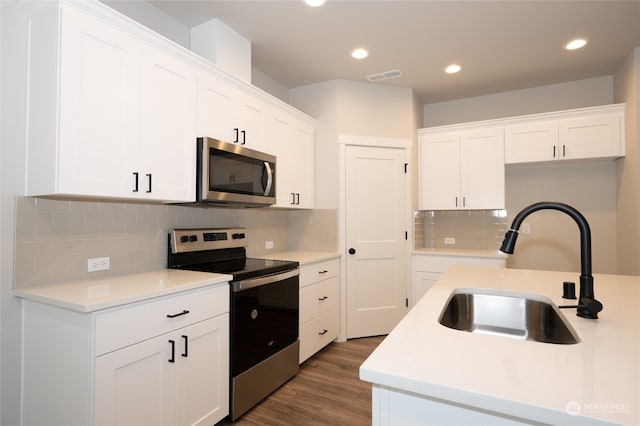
(301, 256)
(461, 252)
(523, 378)
(93, 295)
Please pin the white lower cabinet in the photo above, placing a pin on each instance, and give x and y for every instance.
(319, 306)
(429, 268)
(162, 362)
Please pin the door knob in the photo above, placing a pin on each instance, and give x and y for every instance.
(352, 251)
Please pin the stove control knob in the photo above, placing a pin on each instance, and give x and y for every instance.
(184, 239)
(193, 238)
(238, 236)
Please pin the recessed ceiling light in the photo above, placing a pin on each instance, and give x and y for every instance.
(575, 44)
(452, 69)
(359, 53)
(314, 3)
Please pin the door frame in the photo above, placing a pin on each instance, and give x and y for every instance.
(379, 142)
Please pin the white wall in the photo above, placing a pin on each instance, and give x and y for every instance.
(12, 161)
(627, 89)
(555, 97)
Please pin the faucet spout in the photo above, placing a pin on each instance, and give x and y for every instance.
(586, 276)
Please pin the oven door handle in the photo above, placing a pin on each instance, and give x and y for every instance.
(269, 279)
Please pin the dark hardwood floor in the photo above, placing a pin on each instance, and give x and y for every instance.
(326, 391)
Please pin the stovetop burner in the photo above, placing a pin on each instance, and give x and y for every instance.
(220, 250)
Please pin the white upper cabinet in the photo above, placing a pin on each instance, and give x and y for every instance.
(292, 140)
(587, 133)
(116, 119)
(229, 115)
(461, 169)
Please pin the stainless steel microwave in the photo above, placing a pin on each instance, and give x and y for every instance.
(231, 174)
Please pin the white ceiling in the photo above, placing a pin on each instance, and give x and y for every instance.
(501, 45)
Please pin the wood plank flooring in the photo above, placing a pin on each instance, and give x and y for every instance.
(326, 390)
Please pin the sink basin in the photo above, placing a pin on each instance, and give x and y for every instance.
(526, 317)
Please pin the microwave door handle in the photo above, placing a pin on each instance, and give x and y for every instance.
(267, 167)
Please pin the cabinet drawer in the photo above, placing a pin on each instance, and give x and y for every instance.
(441, 263)
(315, 272)
(318, 298)
(125, 326)
(318, 333)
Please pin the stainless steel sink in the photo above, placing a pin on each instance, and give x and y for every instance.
(527, 317)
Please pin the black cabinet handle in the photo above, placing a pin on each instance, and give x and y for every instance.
(184, 312)
(554, 152)
(149, 177)
(173, 351)
(186, 346)
(564, 151)
(323, 272)
(244, 137)
(293, 198)
(323, 332)
(323, 298)
(297, 198)
(135, 185)
(235, 132)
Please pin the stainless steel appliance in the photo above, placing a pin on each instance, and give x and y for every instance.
(231, 174)
(264, 345)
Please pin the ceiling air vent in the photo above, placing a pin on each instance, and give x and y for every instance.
(384, 75)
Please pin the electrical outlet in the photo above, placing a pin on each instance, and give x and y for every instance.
(98, 264)
(526, 228)
(449, 240)
(268, 245)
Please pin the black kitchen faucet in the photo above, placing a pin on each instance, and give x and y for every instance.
(588, 306)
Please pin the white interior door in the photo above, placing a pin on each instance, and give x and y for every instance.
(375, 239)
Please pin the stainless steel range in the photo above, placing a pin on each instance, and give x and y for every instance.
(264, 344)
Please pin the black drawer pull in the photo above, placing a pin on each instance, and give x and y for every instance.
(323, 298)
(323, 332)
(323, 272)
(186, 346)
(185, 312)
(173, 351)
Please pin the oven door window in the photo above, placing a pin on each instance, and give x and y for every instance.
(234, 173)
(264, 320)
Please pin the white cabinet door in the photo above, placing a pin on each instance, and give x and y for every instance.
(202, 379)
(592, 137)
(99, 69)
(217, 109)
(125, 112)
(439, 171)
(567, 135)
(527, 143)
(303, 140)
(462, 170)
(292, 142)
(179, 378)
(482, 180)
(253, 117)
(167, 148)
(136, 385)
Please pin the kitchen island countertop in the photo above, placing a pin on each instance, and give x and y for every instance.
(596, 381)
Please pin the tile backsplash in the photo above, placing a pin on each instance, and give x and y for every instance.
(55, 238)
(472, 229)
